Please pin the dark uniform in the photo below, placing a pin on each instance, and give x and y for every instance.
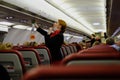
(53, 43)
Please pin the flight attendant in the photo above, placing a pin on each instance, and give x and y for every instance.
(54, 38)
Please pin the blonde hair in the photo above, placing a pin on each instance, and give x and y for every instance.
(6, 46)
(63, 24)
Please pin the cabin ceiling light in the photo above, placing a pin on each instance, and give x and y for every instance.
(9, 17)
(59, 9)
(96, 24)
(4, 28)
(66, 34)
(20, 27)
(84, 11)
(30, 29)
(6, 23)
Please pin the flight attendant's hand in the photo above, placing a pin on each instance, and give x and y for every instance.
(34, 24)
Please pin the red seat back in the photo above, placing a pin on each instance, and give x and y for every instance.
(99, 49)
(33, 50)
(83, 72)
(18, 54)
(13, 61)
(92, 56)
(45, 57)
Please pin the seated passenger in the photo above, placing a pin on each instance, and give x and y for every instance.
(26, 43)
(83, 44)
(117, 44)
(33, 44)
(6, 46)
(97, 38)
(110, 41)
(79, 47)
(96, 43)
(42, 44)
(9, 45)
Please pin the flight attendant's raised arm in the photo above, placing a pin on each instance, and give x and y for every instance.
(43, 32)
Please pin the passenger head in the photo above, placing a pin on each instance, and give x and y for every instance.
(97, 37)
(83, 41)
(33, 44)
(26, 43)
(60, 25)
(6, 46)
(117, 41)
(96, 43)
(9, 45)
(92, 35)
(110, 41)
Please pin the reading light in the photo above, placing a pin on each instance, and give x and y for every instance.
(9, 17)
(96, 24)
(23, 21)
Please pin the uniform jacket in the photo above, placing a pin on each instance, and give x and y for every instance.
(54, 43)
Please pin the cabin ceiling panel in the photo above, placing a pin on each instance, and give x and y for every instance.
(86, 12)
(79, 14)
